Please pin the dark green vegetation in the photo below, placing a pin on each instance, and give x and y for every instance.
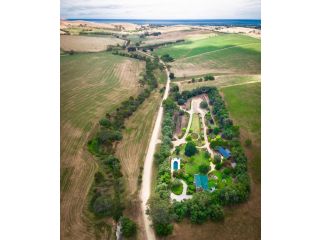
(190, 149)
(128, 227)
(176, 187)
(204, 205)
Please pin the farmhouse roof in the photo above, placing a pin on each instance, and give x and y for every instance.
(224, 152)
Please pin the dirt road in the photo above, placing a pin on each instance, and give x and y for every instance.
(147, 169)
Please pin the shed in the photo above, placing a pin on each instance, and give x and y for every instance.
(201, 182)
(224, 152)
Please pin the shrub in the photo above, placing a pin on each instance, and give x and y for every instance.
(217, 159)
(204, 105)
(105, 122)
(103, 206)
(218, 166)
(190, 149)
(128, 227)
(181, 101)
(204, 168)
(171, 75)
(216, 130)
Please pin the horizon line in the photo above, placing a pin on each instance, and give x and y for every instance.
(165, 19)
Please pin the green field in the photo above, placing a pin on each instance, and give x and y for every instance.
(244, 104)
(90, 85)
(196, 47)
(221, 54)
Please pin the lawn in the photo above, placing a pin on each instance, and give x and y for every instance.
(195, 124)
(193, 163)
(90, 85)
(177, 189)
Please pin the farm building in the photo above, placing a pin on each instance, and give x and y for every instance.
(201, 182)
(175, 164)
(224, 152)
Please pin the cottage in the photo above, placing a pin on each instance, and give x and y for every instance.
(201, 182)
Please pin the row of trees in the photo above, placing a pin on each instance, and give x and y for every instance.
(159, 205)
(108, 186)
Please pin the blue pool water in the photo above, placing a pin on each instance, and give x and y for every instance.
(175, 165)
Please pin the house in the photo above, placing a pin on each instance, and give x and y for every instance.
(175, 164)
(201, 182)
(224, 152)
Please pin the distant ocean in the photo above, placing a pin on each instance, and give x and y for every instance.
(202, 22)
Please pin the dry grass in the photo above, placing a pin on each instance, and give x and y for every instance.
(91, 84)
(132, 150)
(87, 43)
(220, 81)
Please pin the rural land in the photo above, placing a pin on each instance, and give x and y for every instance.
(160, 131)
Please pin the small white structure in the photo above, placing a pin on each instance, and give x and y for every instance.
(175, 164)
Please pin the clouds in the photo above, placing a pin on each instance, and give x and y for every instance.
(164, 9)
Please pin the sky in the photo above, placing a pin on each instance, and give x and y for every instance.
(161, 9)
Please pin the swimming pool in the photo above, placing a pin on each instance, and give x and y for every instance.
(175, 165)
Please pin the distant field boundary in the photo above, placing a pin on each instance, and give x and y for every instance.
(238, 84)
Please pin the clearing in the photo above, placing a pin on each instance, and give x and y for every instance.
(91, 85)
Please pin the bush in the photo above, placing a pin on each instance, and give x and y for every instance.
(204, 168)
(190, 149)
(218, 166)
(103, 206)
(105, 122)
(128, 227)
(171, 75)
(216, 130)
(217, 159)
(204, 104)
(181, 101)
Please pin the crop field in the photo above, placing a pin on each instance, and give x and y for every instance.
(241, 221)
(220, 81)
(132, 149)
(91, 85)
(87, 43)
(224, 53)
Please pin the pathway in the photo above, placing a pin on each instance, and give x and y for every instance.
(147, 168)
(183, 195)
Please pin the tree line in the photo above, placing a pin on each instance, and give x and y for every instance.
(106, 198)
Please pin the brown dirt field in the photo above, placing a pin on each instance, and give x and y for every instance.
(87, 44)
(90, 86)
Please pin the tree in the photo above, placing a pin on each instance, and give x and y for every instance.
(216, 130)
(159, 211)
(171, 75)
(217, 159)
(204, 105)
(103, 206)
(190, 149)
(105, 122)
(193, 80)
(128, 227)
(204, 168)
(181, 101)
